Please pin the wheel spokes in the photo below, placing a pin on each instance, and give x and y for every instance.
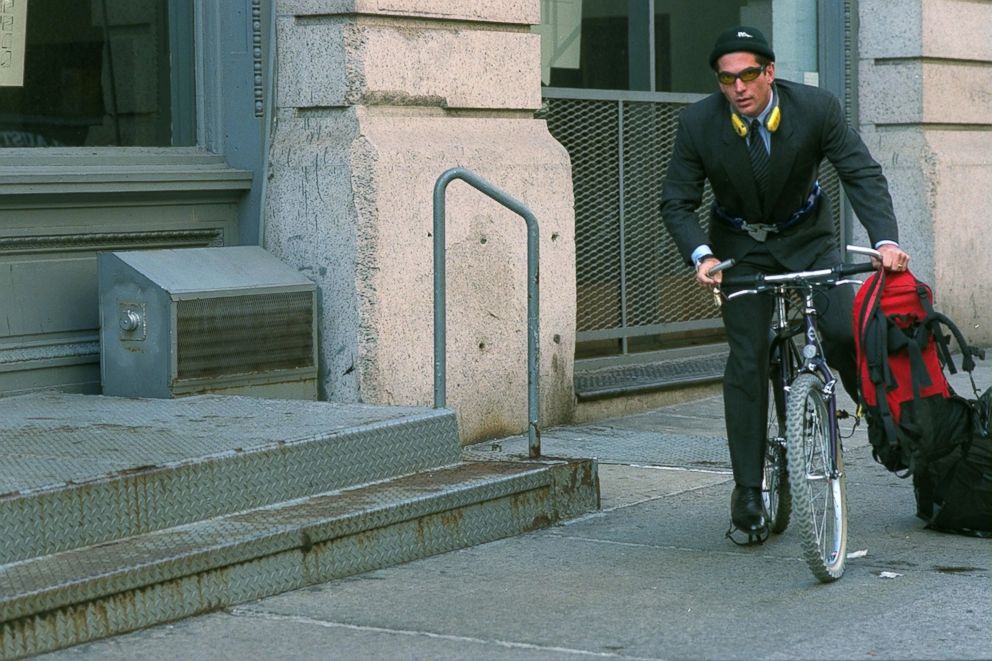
(819, 476)
(818, 482)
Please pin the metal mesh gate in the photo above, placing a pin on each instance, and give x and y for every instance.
(631, 281)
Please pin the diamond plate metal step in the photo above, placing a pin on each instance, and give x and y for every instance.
(633, 379)
(77, 595)
(79, 470)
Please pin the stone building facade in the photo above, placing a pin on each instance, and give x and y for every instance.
(317, 129)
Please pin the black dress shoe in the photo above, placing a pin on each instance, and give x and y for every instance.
(747, 511)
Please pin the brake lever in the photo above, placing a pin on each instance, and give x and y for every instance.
(742, 292)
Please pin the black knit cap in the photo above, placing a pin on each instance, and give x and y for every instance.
(742, 38)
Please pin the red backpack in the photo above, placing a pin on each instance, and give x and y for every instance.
(913, 414)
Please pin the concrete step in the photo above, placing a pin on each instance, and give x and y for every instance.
(66, 598)
(79, 470)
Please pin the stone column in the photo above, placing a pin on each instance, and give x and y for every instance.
(376, 99)
(925, 97)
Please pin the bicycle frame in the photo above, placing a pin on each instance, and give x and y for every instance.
(812, 359)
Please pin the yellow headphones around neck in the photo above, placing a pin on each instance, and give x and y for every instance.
(741, 127)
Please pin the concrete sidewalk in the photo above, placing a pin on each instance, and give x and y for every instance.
(650, 576)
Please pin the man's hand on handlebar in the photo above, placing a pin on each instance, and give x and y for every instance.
(703, 276)
(894, 258)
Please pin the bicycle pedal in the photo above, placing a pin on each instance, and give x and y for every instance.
(753, 538)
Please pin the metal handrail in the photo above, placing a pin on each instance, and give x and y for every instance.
(533, 320)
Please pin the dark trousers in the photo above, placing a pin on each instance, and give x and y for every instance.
(745, 380)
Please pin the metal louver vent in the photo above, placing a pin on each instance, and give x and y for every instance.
(233, 320)
(244, 334)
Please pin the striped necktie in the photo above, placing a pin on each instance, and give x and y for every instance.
(759, 157)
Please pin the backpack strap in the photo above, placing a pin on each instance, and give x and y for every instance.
(913, 341)
(936, 319)
(870, 303)
(872, 339)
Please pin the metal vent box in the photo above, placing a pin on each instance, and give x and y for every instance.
(230, 320)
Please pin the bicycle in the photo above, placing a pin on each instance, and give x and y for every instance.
(804, 465)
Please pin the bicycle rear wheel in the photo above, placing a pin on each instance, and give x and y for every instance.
(819, 489)
(775, 481)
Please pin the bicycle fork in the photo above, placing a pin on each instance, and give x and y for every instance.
(816, 363)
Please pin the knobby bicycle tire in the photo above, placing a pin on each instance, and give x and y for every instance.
(819, 489)
(783, 360)
(775, 481)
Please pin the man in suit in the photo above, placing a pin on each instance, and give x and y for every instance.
(759, 143)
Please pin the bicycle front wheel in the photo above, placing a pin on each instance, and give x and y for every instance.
(816, 475)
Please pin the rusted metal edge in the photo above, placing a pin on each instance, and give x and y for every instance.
(568, 489)
(81, 574)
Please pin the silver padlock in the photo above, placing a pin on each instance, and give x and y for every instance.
(758, 234)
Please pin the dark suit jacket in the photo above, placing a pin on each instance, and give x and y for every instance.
(812, 127)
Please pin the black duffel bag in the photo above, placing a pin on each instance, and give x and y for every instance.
(954, 491)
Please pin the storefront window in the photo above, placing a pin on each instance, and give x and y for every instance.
(585, 43)
(101, 73)
(663, 45)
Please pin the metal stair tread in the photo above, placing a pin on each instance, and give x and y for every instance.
(637, 378)
(109, 436)
(303, 449)
(31, 586)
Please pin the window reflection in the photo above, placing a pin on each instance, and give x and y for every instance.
(662, 45)
(96, 73)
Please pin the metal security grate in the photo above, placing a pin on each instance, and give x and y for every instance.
(659, 291)
(244, 334)
(631, 280)
(590, 133)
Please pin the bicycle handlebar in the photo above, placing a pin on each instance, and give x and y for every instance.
(821, 276)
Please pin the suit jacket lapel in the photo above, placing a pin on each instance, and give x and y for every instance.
(783, 156)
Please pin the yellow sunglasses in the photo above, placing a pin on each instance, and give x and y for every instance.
(746, 76)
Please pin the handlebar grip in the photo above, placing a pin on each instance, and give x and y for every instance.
(859, 250)
(722, 266)
(751, 280)
(852, 269)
